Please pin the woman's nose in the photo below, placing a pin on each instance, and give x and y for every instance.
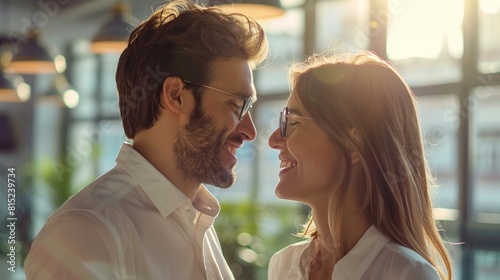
(275, 140)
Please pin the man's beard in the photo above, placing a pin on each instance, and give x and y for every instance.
(197, 152)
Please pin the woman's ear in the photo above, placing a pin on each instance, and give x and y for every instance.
(356, 146)
(354, 157)
(171, 97)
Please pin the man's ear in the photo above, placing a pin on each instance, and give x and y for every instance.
(172, 97)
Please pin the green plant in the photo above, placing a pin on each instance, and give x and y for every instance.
(250, 233)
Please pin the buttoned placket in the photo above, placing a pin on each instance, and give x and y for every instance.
(202, 223)
(188, 215)
(198, 225)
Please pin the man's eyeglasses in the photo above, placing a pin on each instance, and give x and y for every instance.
(284, 115)
(247, 101)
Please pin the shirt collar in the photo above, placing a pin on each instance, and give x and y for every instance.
(165, 196)
(206, 203)
(307, 256)
(356, 262)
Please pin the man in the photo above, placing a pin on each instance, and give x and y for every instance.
(185, 87)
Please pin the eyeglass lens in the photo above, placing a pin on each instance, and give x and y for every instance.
(283, 121)
(247, 105)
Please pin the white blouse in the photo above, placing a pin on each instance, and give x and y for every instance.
(374, 257)
(129, 224)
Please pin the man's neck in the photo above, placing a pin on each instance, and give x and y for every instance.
(162, 158)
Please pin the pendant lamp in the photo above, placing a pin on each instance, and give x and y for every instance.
(113, 35)
(257, 9)
(13, 88)
(35, 57)
(8, 90)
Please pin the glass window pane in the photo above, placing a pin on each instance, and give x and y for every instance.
(81, 157)
(47, 129)
(425, 40)
(484, 104)
(277, 219)
(489, 37)
(108, 139)
(456, 252)
(487, 265)
(285, 35)
(48, 161)
(110, 63)
(268, 163)
(109, 106)
(109, 102)
(439, 121)
(83, 81)
(342, 25)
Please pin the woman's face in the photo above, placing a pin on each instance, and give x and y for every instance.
(308, 161)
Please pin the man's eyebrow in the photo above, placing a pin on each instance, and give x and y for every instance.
(246, 94)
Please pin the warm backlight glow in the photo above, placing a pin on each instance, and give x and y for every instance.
(490, 6)
(425, 29)
(255, 11)
(101, 47)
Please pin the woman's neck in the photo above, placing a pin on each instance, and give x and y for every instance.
(329, 253)
(353, 225)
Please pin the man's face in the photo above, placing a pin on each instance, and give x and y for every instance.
(205, 150)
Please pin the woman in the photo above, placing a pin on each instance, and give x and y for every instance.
(350, 148)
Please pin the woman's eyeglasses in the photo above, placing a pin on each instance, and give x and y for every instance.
(247, 101)
(284, 115)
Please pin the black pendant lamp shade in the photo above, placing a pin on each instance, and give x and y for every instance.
(113, 35)
(32, 56)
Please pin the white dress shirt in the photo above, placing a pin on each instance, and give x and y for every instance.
(374, 257)
(131, 223)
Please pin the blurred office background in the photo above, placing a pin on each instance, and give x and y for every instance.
(61, 128)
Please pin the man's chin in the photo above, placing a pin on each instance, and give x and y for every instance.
(223, 179)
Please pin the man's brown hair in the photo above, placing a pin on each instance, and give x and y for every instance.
(180, 39)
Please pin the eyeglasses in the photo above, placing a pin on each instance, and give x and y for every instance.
(284, 115)
(247, 101)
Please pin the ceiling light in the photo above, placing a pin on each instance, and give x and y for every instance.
(13, 88)
(32, 57)
(258, 9)
(113, 35)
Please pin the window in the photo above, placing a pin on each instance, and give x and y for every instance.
(489, 37)
(439, 131)
(424, 40)
(342, 26)
(484, 104)
(285, 35)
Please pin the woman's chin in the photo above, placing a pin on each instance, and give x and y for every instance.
(282, 192)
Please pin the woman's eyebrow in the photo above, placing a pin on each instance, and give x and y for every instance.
(294, 112)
